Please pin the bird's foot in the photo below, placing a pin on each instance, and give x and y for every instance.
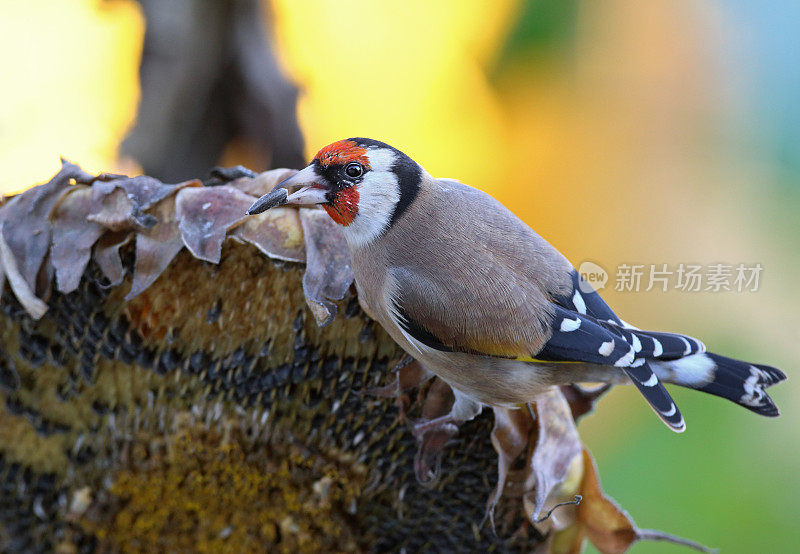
(432, 437)
(444, 424)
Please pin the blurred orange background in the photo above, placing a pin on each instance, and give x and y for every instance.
(623, 132)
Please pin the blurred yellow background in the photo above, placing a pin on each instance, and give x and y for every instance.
(638, 132)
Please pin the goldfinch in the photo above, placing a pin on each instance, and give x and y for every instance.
(485, 303)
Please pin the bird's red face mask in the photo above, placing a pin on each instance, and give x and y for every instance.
(331, 180)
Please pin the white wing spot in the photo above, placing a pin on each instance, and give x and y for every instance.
(688, 346)
(652, 381)
(671, 411)
(606, 348)
(657, 348)
(637, 345)
(627, 359)
(638, 362)
(568, 325)
(580, 305)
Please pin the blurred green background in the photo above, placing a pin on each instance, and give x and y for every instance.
(623, 132)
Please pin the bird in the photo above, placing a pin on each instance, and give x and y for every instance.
(482, 301)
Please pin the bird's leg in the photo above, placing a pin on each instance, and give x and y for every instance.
(432, 437)
(408, 374)
(404, 362)
(462, 410)
(434, 431)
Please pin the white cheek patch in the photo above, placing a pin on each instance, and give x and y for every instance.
(378, 194)
(380, 160)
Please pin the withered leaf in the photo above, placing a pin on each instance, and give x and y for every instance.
(262, 183)
(277, 233)
(328, 274)
(155, 247)
(205, 214)
(106, 254)
(73, 237)
(609, 528)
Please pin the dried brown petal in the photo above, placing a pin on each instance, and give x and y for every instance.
(120, 204)
(155, 247)
(112, 208)
(106, 254)
(262, 183)
(205, 214)
(557, 447)
(73, 237)
(27, 228)
(510, 437)
(21, 289)
(328, 275)
(277, 233)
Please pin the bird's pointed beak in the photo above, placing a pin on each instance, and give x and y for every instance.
(311, 191)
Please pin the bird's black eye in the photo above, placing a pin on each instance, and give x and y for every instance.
(354, 170)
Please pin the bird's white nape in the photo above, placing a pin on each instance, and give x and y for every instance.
(378, 194)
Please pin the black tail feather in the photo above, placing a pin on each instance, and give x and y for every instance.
(657, 396)
(740, 382)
